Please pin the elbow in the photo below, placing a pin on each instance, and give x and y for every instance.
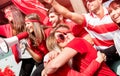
(38, 60)
(52, 67)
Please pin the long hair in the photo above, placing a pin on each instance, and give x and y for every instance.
(18, 19)
(51, 42)
(38, 34)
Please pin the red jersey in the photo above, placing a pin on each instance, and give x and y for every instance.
(87, 53)
(41, 50)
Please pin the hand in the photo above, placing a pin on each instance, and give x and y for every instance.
(49, 56)
(43, 73)
(28, 48)
(100, 57)
(49, 1)
(53, 54)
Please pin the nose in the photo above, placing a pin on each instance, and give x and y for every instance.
(114, 14)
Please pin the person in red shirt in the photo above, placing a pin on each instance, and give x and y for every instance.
(17, 25)
(98, 24)
(79, 50)
(36, 40)
(55, 18)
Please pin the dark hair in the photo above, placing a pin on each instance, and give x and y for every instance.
(52, 10)
(115, 1)
(18, 19)
(61, 25)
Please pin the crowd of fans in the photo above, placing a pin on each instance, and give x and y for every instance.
(68, 44)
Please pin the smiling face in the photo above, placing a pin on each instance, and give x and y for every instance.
(29, 26)
(114, 11)
(93, 5)
(8, 14)
(54, 19)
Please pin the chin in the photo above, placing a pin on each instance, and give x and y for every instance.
(117, 21)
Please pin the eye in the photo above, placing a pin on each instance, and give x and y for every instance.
(27, 23)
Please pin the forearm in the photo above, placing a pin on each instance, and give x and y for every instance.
(50, 68)
(36, 57)
(78, 18)
(95, 64)
(92, 68)
(61, 9)
(44, 73)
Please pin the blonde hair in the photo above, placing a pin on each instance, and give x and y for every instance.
(51, 42)
(38, 35)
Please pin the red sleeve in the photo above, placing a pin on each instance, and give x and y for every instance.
(41, 50)
(5, 30)
(92, 68)
(67, 71)
(15, 53)
(79, 45)
(22, 35)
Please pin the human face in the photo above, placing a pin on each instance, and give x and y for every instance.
(8, 14)
(93, 5)
(114, 11)
(61, 36)
(54, 19)
(29, 26)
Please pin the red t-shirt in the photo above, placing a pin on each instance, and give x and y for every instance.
(41, 50)
(76, 29)
(67, 71)
(86, 53)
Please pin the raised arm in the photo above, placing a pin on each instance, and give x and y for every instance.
(78, 18)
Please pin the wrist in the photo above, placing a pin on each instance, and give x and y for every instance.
(44, 73)
(53, 2)
(100, 60)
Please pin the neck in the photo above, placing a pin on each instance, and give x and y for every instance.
(99, 12)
